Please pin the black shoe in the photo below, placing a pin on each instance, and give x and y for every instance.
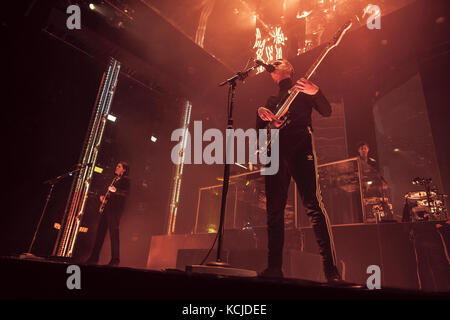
(114, 262)
(271, 273)
(333, 276)
(335, 279)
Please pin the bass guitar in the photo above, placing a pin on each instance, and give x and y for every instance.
(107, 194)
(283, 107)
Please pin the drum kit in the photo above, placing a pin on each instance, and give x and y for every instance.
(378, 209)
(428, 205)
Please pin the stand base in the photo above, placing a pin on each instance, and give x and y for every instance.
(220, 270)
(28, 255)
(218, 264)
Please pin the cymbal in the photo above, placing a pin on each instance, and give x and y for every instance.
(419, 195)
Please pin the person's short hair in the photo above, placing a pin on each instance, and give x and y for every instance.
(126, 166)
(360, 144)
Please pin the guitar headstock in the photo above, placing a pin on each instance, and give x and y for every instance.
(334, 42)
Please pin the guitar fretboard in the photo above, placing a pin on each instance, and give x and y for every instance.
(331, 44)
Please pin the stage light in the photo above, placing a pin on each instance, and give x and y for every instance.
(91, 6)
(98, 169)
(153, 138)
(369, 182)
(112, 118)
(396, 150)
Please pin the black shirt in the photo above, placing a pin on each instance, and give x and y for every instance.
(299, 111)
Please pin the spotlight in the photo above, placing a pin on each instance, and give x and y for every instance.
(98, 169)
(112, 118)
(91, 6)
(212, 228)
(396, 150)
(153, 138)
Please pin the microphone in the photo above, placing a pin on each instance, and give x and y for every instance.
(269, 68)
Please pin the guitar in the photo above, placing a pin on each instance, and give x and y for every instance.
(106, 196)
(283, 107)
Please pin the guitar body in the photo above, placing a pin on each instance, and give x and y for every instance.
(103, 204)
(106, 196)
(284, 123)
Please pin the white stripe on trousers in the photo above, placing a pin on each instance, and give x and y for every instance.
(319, 200)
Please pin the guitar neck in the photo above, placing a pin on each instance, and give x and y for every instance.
(287, 103)
(294, 93)
(331, 44)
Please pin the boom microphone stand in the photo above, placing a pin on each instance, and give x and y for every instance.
(52, 183)
(219, 267)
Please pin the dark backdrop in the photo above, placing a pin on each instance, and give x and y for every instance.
(49, 95)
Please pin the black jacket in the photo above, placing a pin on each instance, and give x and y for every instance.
(117, 199)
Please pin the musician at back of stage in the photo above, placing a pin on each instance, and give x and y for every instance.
(363, 154)
(374, 185)
(117, 193)
(369, 165)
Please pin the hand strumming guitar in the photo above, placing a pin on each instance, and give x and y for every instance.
(267, 115)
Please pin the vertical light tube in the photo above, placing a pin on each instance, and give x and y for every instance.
(178, 171)
(76, 202)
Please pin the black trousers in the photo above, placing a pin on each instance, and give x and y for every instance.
(296, 161)
(110, 220)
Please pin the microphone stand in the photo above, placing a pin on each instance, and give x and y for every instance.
(52, 183)
(219, 267)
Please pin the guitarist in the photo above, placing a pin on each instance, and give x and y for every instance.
(297, 160)
(116, 195)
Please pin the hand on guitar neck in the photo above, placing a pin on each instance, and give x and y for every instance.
(306, 86)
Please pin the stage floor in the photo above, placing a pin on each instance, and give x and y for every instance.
(41, 280)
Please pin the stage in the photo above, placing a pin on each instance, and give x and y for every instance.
(44, 280)
(131, 138)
